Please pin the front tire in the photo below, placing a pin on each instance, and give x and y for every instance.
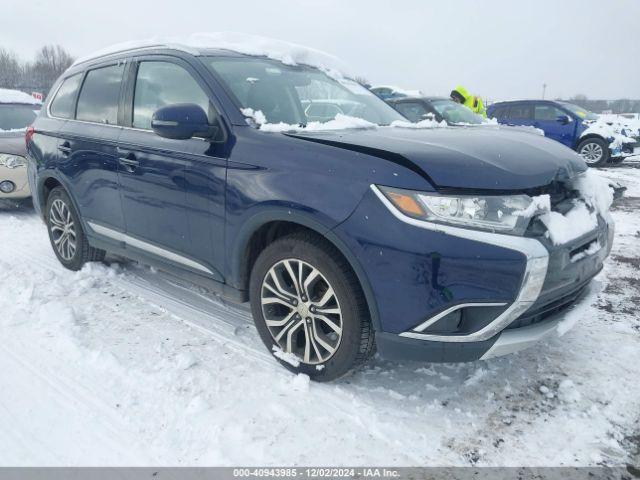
(309, 309)
(67, 238)
(594, 151)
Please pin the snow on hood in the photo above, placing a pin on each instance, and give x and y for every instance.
(247, 44)
(16, 96)
(616, 129)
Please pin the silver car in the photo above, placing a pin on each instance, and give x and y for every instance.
(18, 110)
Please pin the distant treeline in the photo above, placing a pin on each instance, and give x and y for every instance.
(623, 105)
(52, 60)
(33, 76)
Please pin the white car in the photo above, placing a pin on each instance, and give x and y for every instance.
(18, 110)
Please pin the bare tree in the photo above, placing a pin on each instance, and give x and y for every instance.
(363, 81)
(50, 62)
(10, 69)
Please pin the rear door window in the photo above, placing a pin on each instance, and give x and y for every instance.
(520, 112)
(163, 83)
(63, 104)
(98, 100)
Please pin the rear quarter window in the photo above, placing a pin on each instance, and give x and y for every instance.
(499, 112)
(63, 103)
(98, 100)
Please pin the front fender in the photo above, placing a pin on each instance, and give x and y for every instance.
(305, 219)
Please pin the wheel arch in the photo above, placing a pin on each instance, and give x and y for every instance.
(588, 137)
(47, 181)
(265, 228)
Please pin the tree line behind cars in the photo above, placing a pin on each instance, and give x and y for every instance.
(37, 75)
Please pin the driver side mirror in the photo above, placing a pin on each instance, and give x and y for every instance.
(182, 121)
(563, 119)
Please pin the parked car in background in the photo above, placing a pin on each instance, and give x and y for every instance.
(386, 92)
(344, 235)
(17, 111)
(439, 109)
(597, 140)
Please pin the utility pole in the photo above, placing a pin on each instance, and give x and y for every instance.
(544, 88)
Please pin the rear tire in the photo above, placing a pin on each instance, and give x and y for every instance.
(67, 238)
(594, 151)
(315, 322)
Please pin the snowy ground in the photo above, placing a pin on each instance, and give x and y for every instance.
(120, 365)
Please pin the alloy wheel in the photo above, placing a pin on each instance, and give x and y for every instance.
(591, 152)
(63, 231)
(301, 311)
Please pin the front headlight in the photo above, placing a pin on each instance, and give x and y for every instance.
(502, 213)
(12, 161)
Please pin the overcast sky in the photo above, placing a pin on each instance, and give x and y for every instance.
(499, 49)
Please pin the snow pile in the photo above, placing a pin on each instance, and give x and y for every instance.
(616, 130)
(538, 205)
(631, 126)
(286, 357)
(576, 222)
(16, 96)
(594, 247)
(254, 45)
(596, 198)
(426, 123)
(340, 122)
(256, 117)
(596, 190)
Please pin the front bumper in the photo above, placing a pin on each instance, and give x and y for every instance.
(434, 271)
(18, 177)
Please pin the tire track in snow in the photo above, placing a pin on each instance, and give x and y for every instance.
(209, 317)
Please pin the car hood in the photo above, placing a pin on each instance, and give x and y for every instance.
(13, 144)
(464, 158)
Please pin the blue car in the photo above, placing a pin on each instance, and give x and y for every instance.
(570, 125)
(202, 162)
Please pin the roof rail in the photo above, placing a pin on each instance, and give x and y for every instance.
(133, 46)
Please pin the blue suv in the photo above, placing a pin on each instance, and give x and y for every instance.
(373, 235)
(565, 123)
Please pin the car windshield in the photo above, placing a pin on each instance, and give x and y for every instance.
(297, 95)
(580, 112)
(16, 117)
(454, 113)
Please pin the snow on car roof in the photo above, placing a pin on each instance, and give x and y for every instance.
(247, 44)
(402, 91)
(16, 96)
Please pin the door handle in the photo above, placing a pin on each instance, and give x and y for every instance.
(129, 162)
(65, 149)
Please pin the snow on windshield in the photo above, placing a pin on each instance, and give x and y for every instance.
(340, 122)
